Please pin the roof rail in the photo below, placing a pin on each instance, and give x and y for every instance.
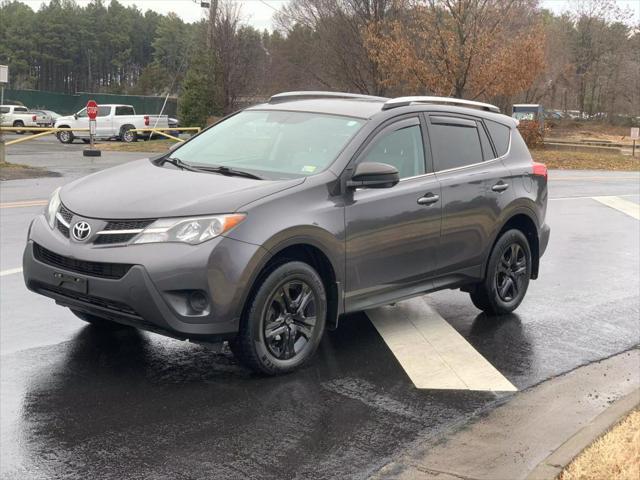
(404, 101)
(312, 95)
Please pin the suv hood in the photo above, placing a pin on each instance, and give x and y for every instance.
(141, 189)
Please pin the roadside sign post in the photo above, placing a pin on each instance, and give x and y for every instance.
(92, 113)
(635, 135)
(4, 78)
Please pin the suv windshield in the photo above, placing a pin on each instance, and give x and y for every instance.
(274, 144)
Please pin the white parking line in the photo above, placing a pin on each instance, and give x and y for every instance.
(11, 271)
(591, 197)
(432, 353)
(625, 206)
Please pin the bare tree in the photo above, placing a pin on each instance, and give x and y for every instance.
(336, 53)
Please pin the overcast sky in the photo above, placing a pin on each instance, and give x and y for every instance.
(259, 12)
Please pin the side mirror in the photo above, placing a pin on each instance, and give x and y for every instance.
(374, 175)
(75, 115)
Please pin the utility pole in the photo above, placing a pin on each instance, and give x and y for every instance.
(213, 12)
(4, 79)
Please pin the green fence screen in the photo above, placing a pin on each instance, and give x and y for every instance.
(66, 104)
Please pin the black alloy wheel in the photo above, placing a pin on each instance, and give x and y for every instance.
(510, 272)
(290, 319)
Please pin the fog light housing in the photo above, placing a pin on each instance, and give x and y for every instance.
(198, 301)
(189, 303)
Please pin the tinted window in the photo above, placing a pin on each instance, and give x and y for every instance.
(4, 109)
(20, 109)
(124, 111)
(455, 146)
(487, 151)
(402, 149)
(500, 135)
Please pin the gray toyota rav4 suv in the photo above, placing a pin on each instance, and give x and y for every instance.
(269, 225)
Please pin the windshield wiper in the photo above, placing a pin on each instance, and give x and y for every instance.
(228, 171)
(179, 163)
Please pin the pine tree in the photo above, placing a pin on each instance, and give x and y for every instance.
(198, 97)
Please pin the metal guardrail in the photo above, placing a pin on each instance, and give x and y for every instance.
(49, 130)
(162, 131)
(43, 131)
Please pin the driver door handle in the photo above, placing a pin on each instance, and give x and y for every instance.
(500, 187)
(428, 199)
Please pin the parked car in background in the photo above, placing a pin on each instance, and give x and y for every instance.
(267, 226)
(45, 118)
(113, 121)
(16, 116)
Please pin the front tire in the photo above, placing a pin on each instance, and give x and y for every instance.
(65, 136)
(507, 277)
(284, 321)
(99, 322)
(18, 124)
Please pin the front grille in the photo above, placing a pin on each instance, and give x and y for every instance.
(95, 269)
(97, 301)
(65, 213)
(113, 238)
(127, 224)
(63, 230)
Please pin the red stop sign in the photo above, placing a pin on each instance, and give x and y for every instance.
(92, 109)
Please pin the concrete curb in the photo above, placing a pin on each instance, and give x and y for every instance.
(551, 466)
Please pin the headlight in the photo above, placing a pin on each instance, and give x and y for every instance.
(53, 207)
(189, 230)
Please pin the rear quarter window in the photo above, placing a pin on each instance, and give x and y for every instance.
(500, 134)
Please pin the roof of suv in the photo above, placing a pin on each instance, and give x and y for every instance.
(366, 106)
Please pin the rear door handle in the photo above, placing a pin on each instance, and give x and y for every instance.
(428, 199)
(500, 187)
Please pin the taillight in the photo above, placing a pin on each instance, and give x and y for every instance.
(34, 118)
(146, 120)
(540, 169)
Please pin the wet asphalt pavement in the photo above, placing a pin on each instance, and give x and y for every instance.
(81, 403)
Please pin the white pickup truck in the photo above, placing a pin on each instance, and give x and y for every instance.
(16, 116)
(113, 121)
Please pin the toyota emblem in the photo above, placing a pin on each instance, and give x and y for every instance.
(81, 231)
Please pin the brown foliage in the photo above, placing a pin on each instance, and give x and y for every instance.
(460, 48)
(531, 133)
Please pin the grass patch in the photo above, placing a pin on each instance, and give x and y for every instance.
(615, 455)
(15, 171)
(153, 146)
(570, 160)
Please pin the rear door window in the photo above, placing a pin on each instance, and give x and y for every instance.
(456, 142)
(104, 111)
(20, 109)
(501, 135)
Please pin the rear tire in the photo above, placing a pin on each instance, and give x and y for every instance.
(507, 277)
(98, 322)
(65, 136)
(284, 321)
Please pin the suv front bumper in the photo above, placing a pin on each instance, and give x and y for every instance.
(152, 294)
